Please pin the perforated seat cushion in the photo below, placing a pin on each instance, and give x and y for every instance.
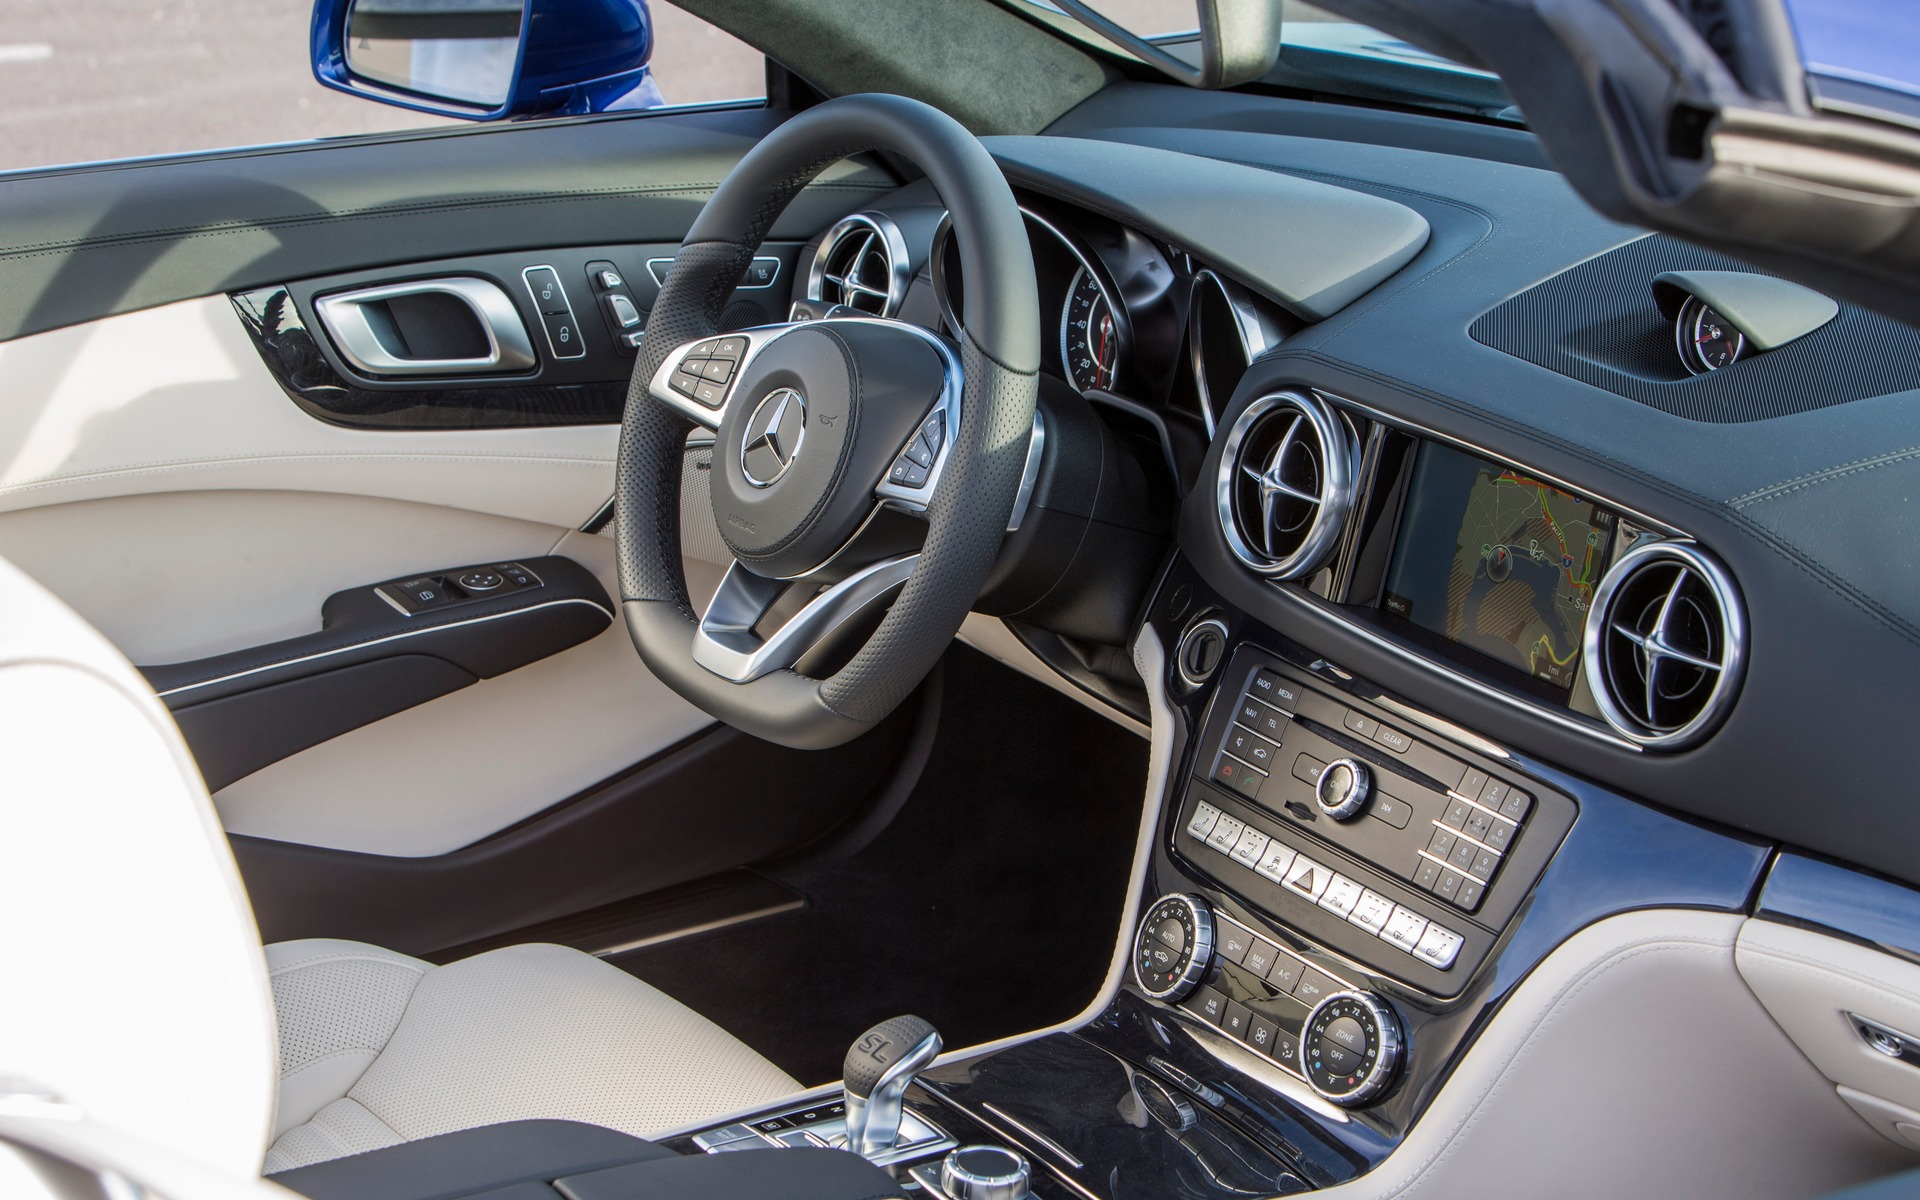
(377, 1048)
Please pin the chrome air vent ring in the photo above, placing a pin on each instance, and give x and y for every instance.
(862, 264)
(1666, 645)
(1286, 484)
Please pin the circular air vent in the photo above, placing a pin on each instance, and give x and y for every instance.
(862, 264)
(1286, 483)
(1665, 644)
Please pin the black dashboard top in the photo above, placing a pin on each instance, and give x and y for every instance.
(1805, 509)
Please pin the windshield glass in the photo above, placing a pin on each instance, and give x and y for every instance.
(1857, 58)
(1320, 52)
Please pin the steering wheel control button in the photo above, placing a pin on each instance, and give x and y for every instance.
(1170, 973)
(1342, 788)
(1351, 1047)
(481, 581)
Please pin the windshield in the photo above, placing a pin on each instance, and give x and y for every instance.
(1321, 52)
(1856, 57)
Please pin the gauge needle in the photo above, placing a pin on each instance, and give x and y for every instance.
(1100, 355)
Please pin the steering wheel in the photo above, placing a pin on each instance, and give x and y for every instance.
(818, 424)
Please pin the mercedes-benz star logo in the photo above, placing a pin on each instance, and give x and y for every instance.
(774, 433)
(1275, 490)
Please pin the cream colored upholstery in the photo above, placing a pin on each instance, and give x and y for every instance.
(378, 1048)
(149, 1009)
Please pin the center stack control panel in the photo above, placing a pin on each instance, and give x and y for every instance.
(1358, 829)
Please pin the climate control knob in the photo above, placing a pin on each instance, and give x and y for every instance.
(1174, 947)
(1343, 788)
(1350, 1048)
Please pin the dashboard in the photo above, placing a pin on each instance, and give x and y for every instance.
(1496, 593)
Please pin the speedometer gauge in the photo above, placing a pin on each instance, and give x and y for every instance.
(1091, 336)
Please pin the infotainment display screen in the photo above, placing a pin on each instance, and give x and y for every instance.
(1493, 559)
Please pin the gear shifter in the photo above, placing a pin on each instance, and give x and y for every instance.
(882, 1062)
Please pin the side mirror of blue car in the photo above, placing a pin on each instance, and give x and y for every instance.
(488, 60)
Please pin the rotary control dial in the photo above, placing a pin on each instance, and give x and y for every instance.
(1343, 789)
(1174, 947)
(1350, 1048)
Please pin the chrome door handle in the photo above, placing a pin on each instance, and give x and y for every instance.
(367, 338)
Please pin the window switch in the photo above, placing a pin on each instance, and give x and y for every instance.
(423, 592)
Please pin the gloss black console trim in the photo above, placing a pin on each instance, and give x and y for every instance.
(1801, 890)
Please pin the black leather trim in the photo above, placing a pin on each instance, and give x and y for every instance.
(84, 244)
(482, 637)
(792, 1174)
(472, 1161)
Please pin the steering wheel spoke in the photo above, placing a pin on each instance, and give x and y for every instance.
(727, 645)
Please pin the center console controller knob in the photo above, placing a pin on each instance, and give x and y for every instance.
(1345, 784)
(1350, 1048)
(1174, 947)
(985, 1173)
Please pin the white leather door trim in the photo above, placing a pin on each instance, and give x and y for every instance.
(176, 399)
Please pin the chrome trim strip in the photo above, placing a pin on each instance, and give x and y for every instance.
(1565, 719)
(1254, 331)
(658, 268)
(1065, 1155)
(726, 644)
(508, 348)
(381, 641)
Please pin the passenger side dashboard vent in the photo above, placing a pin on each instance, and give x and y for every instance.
(861, 264)
(1666, 645)
(1286, 484)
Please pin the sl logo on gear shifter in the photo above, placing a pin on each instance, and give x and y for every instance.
(872, 1045)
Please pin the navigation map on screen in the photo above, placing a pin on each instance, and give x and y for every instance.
(1492, 558)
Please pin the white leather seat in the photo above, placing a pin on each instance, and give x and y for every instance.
(153, 1009)
(378, 1048)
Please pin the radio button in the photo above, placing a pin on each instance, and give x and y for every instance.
(1485, 864)
(1274, 690)
(1500, 835)
(1285, 973)
(1425, 874)
(1393, 811)
(1307, 769)
(1442, 844)
(1360, 723)
(1494, 794)
(1518, 802)
(1471, 890)
(1393, 740)
(1457, 812)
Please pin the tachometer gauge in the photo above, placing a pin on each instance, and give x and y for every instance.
(1091, 335)
(1706, 340)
